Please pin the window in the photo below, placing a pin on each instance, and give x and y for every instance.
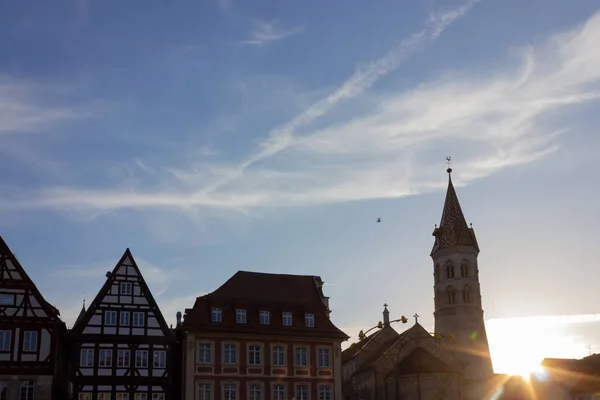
(216, 315)
(85, 396)
(325, 393)
(301, 392)
(323, 358)
(5, 340)
(264, 317)
(450, 271)
(254, 355)
(26, 390)
(7, 299)
(86, 358)
(467, 295)
(287, 318)
(138, 319)
(110, 317)
(30, 341)
(279, 392)
(103, 396)
(123, 358)
(278, 356)
(230, 354)
(301, 357)
(204, 392)
(158, 396)
(255, 392)
(141, 358)
(4, 390)
(464, 271)
(124, 318)
(140, 396)
(122, 396)
(437, 273)
(160, 359)
(205, 353)
(451, 295)
(229, 391)
(240, 316)
(309, 320)
(105, 358)
(125, 288)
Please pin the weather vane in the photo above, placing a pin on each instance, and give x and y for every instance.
(449, 162)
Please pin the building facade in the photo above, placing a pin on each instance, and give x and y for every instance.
(32, 363)
(121, 347)
(262, 336)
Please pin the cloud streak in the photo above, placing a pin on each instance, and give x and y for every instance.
(267, 32)
(490, 120)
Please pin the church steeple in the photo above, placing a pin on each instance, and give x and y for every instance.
(453, 230)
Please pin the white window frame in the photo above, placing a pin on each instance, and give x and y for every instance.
(126, 358)
(287, 318)
(85, 396)
(301, 356)
(309, 320)
(229, 391)
(139, 319)
(86, 358)
(29, 387)
(254, 354)
(5, 341)
(230, 353)
(105, 358)
(142, 357)
(264, 317)
(302, 394)
(255, 392)
(159, 360)
(279, 391)
(240, 316)
(124, 318)
(126, 289)
(30, 341)
(278, 358)
(7, 299)
(216, 314)
(110, 318)
(204, 391)
(325, 392)
(140, 396)
(104, 396)
(158, 396)
(204, 353)
(122, 396)
(323, 357)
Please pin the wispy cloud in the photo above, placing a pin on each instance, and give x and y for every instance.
(490, 120)
(266, 32)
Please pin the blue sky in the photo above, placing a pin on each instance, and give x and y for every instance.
(221, 135)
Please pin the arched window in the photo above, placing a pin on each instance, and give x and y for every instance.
(450, 271)
(464, 270)
(437, 273)
(467, 294)
(451, 295)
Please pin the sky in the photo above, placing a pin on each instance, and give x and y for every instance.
(223, 135)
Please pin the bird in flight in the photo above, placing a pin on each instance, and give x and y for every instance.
(378, 219)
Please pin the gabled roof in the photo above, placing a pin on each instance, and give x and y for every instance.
(82, 320)
(453, 230)
(16, 278)
(371, 340)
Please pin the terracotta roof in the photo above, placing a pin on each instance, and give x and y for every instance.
(453, 230)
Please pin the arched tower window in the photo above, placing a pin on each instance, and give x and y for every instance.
(451, 295)
(467, 294)
(437, 273)
(450, 271)
(464, 270)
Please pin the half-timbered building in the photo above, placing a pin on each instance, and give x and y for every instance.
(262, 336)
(31, 337)
(120, 348)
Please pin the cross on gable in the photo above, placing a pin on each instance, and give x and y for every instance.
(416, 318)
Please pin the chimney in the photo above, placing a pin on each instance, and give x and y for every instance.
(386, 316)
(178, 318)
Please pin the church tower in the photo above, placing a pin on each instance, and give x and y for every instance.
(458, 307)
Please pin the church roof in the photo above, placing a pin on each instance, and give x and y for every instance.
(453, 230)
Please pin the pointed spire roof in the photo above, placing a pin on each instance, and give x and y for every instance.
(81, 313)
(453, 230)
